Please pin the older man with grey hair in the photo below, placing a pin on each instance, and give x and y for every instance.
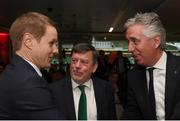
(153, 84)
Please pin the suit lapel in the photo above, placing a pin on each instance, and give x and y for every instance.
(144, 92)
(171, 82)
(69, 100)
(99, 94)
(143, 87)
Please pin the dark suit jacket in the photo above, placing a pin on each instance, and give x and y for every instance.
(104, 96)
(24, 94)
(137, 107)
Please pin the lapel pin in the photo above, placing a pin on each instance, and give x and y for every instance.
(175, 72)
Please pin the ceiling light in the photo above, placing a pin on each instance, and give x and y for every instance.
(111, 29)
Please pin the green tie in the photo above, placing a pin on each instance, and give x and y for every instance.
(82, 112)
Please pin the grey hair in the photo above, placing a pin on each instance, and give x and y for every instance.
(152, 26)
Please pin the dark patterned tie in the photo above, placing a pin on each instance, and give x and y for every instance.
(82, 111)
(151, 94)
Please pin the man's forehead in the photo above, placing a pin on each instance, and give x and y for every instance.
(85, 56)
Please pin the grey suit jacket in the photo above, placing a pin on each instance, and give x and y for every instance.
(104, 96)
(24, 94)
(137, 105)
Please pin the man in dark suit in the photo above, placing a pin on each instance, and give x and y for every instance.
(153, 84)
(24, 94)
(99, 93)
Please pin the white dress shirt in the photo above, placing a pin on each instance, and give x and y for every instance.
(90, 96)
(159, 75)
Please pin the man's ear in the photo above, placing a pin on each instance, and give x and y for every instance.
(95, 67)
(28, 40)
(157, 40)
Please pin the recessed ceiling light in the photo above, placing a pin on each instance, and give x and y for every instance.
(111, 29)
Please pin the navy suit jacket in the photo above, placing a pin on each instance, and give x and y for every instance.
(24, 94)
(104, 96)
(137, 105)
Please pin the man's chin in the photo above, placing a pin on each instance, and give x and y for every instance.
(138, 62)
(47, 66)
(75, 78)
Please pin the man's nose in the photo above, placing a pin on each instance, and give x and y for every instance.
(130, 47)
(55, 50)
(78, 63)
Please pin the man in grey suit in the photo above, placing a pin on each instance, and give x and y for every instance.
(24, 94)
(154, 83)
(99, 93)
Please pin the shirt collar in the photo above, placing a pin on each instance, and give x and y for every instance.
(161, 64)
(35, 67)
(87, 84)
